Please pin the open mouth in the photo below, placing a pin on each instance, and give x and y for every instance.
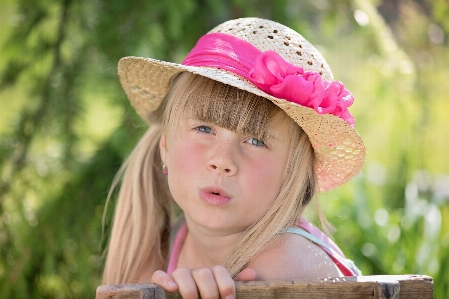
(214, 196)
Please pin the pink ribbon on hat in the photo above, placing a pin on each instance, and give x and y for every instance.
(272, 74)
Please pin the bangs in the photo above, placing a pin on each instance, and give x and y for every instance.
(214, 102)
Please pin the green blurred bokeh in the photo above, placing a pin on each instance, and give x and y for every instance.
(66, 126)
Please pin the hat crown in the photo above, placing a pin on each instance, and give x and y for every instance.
(268, 35)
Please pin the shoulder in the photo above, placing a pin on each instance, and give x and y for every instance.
(293, 257)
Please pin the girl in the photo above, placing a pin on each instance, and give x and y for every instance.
(242, 136)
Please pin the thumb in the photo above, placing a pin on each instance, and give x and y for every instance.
(246, 275)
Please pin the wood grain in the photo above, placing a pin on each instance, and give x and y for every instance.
(360, 287)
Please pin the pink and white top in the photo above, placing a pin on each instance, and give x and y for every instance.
(303, 228)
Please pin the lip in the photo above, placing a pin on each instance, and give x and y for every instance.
(214, 196)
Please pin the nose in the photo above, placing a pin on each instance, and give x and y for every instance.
(222, 160)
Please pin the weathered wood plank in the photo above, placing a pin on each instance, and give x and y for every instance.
(411, 286)
(327, 288)
(130, 291)
(360, 287)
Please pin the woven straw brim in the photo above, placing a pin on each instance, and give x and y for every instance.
(339, 150)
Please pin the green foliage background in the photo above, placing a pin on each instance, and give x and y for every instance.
(66, 125)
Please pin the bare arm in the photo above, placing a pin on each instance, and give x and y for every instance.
(293, 257)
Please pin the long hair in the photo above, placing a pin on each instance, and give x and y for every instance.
(141, 228)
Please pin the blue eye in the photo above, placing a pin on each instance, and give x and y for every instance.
(255, 142)
(204, 129)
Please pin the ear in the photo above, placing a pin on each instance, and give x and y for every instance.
(163, 148)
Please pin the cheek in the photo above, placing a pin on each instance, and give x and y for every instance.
(266, 178)
(184, 162)
(186, 157)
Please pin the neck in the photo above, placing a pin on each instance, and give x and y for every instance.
(204, 247)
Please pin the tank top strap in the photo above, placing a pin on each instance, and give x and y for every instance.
(314, 239)
(177, 236)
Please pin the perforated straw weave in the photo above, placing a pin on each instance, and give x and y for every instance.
(339, 150)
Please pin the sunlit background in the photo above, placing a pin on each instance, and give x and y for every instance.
(66, 125)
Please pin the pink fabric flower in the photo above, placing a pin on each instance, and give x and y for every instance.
(270, 70)
(279, 78)
(335, 92)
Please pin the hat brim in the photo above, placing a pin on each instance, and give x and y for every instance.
(339, 149)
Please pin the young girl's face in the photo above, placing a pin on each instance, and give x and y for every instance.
(225, 180)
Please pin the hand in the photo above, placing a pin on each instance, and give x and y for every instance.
(209, 282)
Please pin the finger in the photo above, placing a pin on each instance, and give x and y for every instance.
(164, 280)
(225, 283)
(205, 282)
(186, 284)
(246, 275)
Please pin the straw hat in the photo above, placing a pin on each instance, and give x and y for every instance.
(339, 150)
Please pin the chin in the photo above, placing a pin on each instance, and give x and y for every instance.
(215, 222)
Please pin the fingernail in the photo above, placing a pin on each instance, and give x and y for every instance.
(172, 284)
(230, 297)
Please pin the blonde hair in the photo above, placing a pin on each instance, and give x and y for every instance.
(141, 228)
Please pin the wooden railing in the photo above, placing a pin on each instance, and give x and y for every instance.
(360, 287)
